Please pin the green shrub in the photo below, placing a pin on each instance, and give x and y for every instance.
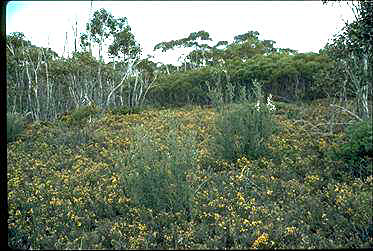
(14, 126)
(81, 115)
(357, 152)
(157, 179)
(243, 129)
(124, 110)
(292, 112)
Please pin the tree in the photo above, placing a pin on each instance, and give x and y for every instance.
(145, 78)
(28, 80)
(352, 49)
(124, 50)
(197, 56)
(104, 27)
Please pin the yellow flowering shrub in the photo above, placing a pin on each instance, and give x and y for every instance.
(67, 188)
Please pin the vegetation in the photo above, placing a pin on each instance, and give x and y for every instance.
(151, 180)
(244, 130)
(14, 126)
(244, 145)
(357, 151)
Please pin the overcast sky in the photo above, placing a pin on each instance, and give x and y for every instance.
(301, 25)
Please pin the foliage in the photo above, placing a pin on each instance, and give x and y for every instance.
(291, 77)
(103, 26)
(158, 179)
(14, 126)
(352, 51)
(197, 55)
(43, 84)
(244, 129)
(76, 195)
(148, 180)
(123, 110)
(357, 152)
(180, 88)
(81, 115)
(58, 85)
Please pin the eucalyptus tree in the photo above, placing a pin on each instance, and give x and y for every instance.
(16, 80)
(103, 30)
(193, 41)
(29, 85)
(352, 50)
(247, 45)
(146, 74)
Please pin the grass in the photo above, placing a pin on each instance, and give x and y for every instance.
(79, 188)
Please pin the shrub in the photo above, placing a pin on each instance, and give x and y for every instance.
(244, 129)
(157, 179)
(290, 111)
(124, 110)
(81, 115)
(357, 152)
(14, 126)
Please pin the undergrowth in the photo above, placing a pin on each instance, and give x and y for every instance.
(148, 181)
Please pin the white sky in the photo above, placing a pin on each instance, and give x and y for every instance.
(301, 25)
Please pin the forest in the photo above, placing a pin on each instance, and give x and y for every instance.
(243, 145)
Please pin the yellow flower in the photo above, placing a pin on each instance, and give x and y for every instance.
(243, 162)
(291, 230)
(246, 221)
(312, 178)
(322, 143)
(55, 202)
(338, 199)
(142, 227)
(255, 223)
(261, 240)
(241, 199)
(18, 213)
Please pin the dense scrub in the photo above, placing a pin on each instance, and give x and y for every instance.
(44, 85)
(97, 168)
(75, 187)
(289, 77)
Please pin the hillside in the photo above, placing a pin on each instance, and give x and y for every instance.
(156, 180)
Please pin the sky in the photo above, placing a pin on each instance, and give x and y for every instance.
(305, 26)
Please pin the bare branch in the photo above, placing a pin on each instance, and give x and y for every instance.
(349, 112)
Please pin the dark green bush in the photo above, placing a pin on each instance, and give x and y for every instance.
(291, 77)
(242, 131)
(158, 180)
(14, 126)
(81, 115)
(124, 110)
(290, 111)
(357, 152)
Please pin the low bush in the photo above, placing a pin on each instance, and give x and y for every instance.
(134, 182)
(157, 179)
(357, 150)
(124, 110)
(243, 129)
(81, 115)
(14, 126)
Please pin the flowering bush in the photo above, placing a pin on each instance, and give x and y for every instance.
(139, 181)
